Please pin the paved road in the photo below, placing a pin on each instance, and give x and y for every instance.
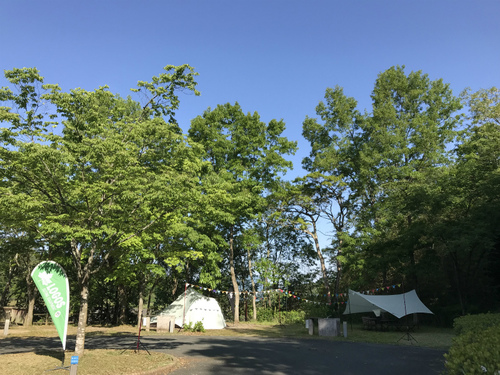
(251, 355)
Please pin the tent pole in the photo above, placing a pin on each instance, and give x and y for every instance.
(184, 313)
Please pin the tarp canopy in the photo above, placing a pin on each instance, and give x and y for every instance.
(398, 305)
(198, 309)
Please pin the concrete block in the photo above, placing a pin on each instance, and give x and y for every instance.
(329, 327)
(165, 323)
(310, 326)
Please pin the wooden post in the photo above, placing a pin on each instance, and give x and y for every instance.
(74, 365)
(171, 324)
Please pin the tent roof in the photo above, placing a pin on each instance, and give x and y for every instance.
(398, 305)
(191, 297)
(198, 307)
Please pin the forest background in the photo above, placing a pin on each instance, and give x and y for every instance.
(137, 196)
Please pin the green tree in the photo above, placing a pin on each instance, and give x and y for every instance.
(21, 252)
(116, 170)
(246, 156)
(467, 219)
(377, 165)
(336, 176)
(412, 123)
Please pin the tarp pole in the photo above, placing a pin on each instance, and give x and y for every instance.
(404, 297)
(350, 312)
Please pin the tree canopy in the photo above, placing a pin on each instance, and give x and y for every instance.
(134, 209)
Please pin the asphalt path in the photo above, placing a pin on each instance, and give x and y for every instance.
(254, 355)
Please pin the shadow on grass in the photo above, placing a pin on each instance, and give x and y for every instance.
(107, 333)
(59, 355)
(275, 331)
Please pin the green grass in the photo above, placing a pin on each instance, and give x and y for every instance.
(94, 362)
(425, 336)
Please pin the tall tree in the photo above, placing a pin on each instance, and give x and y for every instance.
(335, 178)
(247, 156)
(374, 162)
(413, 122)
(115, 171)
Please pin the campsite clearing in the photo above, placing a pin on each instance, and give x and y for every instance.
(244, 354)
(427, 336)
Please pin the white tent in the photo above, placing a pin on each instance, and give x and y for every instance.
(198, 308)
(398, 305)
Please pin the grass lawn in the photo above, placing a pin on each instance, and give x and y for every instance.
(95, 362)
(425, 336)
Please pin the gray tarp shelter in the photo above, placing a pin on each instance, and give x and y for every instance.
(398, 305)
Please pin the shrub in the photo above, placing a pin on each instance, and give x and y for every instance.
(318, 311)
(197, 327)
(475, 323)
(294, 316)
(265, 315)
(287, 317)
(475, 352)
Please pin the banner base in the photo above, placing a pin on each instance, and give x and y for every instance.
(62, 367)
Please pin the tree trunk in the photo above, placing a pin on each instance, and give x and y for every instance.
(141, 303)
(246, 308)
(269, 304)
(148, 308)
(5, 298)
(82, 318)
(174, 287)
(108, 313)
(233, 278)
(28, 320)
(339, 273)
(322, 263)
(413, 264)
(122, 305)
(254, 307)
(459, 284)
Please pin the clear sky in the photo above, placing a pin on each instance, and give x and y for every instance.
(275, 57)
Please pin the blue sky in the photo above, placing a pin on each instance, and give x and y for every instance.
(275, 57)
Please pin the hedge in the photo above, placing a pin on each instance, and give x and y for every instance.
(475, 323)
(476, 349)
